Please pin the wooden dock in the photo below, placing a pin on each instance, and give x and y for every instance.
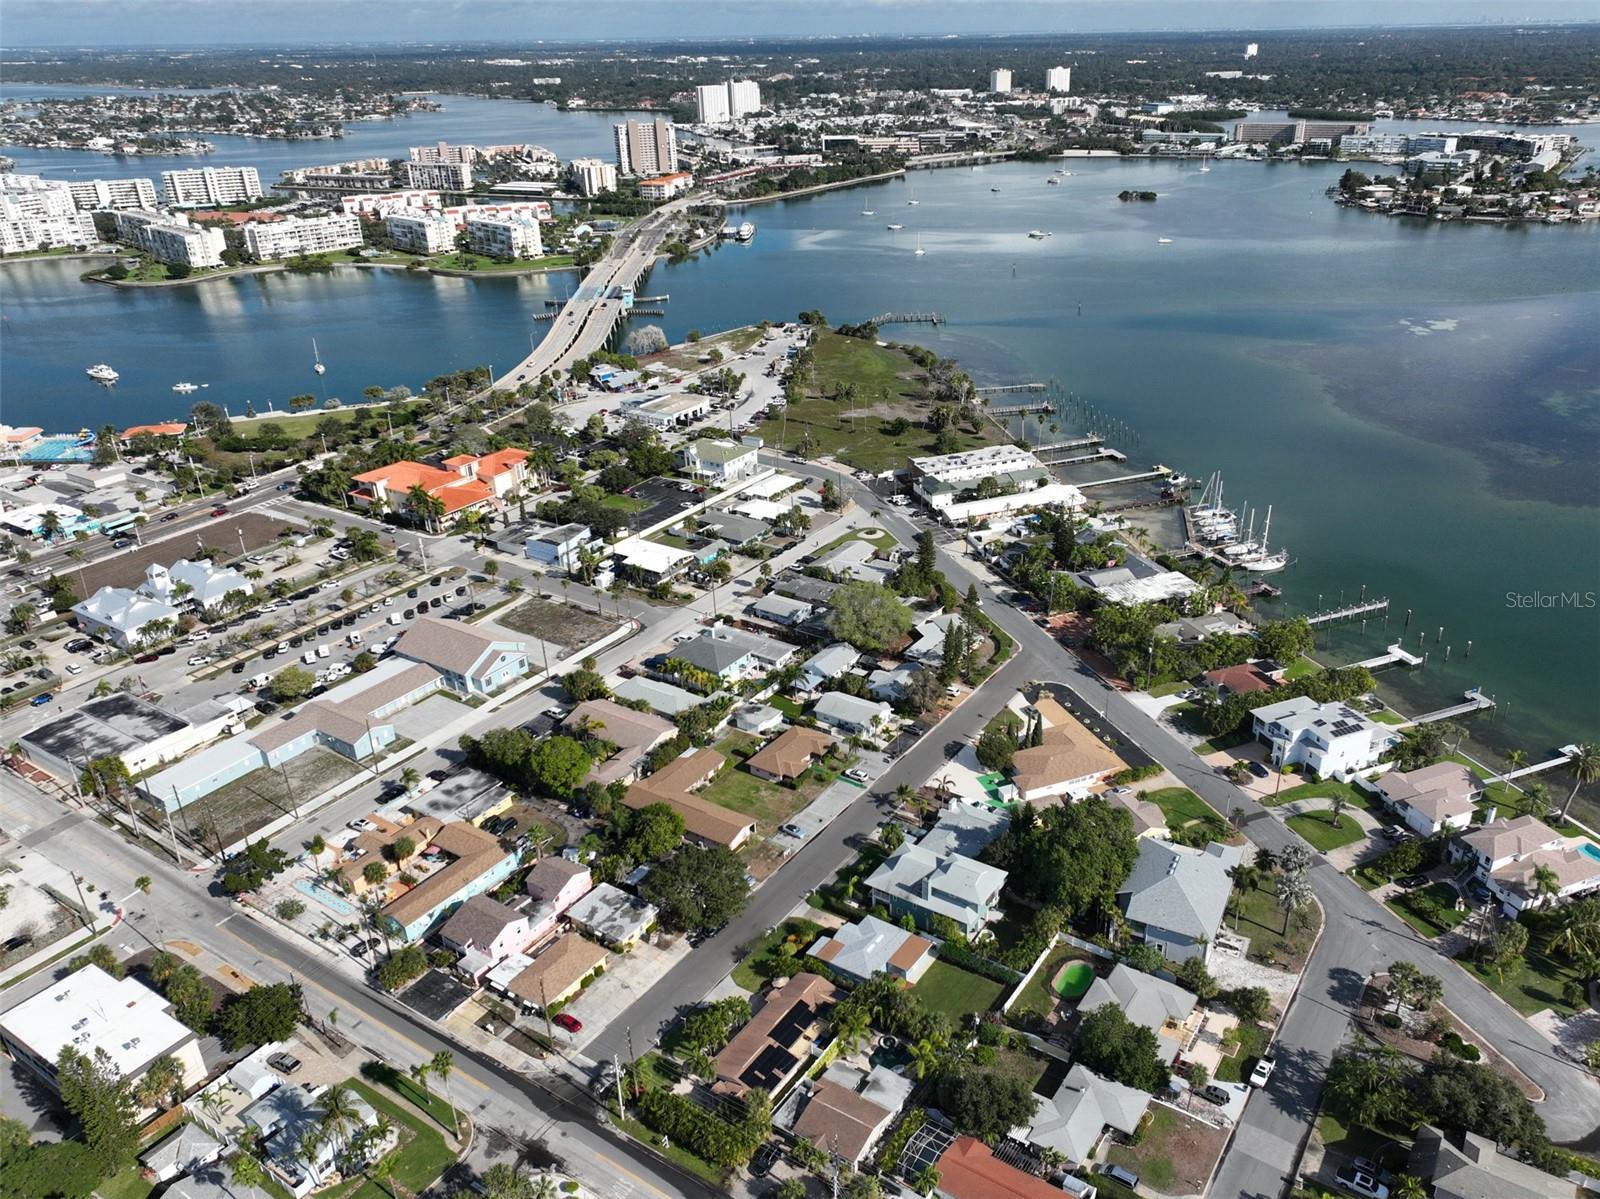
(1361, 608)
(1563, 756)
(1071, 443)
(1005, 410)
(1138, 478)
(906, 318)
(1009, 388)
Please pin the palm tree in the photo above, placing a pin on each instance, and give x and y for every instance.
(1294, 893)
(1585, 763)
(926, 1056)
(383, 1171)
(1546, 883)
(441, 1064)
(1429, 990)
(143, 883)
(1245, 878)
(339, 1113)
(409, 778)
(22, 617)
(1408, 1186)
(1516, 759)
(246, 1171)
(851, 1025)
(50, 525)
(904, 793)
(1336, 807)
(1579, 933)
(420, 1072)
(316, 847)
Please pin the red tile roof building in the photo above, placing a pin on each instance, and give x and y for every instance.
(968, 1170)
(462, 484)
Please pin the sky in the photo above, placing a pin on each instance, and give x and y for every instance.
(90, 23)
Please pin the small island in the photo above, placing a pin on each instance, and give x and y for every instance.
(1125, 196)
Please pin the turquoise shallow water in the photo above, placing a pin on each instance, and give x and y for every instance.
(1420, 403)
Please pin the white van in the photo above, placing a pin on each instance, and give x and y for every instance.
(258, 682)
(309, 657)
(322, 651)
(396, 618)
(353, 638)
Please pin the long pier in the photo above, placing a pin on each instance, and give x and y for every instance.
(1006, 410)
(1005, 388)
(1138, 478)
(1475, 701)
(1564, 755)
(1394, 653)
(907, 318)
(1380, 604)
(1071, 443)
(1099, 455)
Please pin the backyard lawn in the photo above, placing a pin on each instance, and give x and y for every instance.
(419, 1161)
(1038, 998)
(1323, 833)
(1176, 1154)
(1300, 668)
(1185, 810)
(957, 992)
(1253, 1039)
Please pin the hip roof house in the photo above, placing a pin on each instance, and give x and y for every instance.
(471, 661)
(1174, 896)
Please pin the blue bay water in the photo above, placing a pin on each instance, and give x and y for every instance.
(1419, 402)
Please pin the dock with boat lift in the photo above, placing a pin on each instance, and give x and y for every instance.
(1474, 700)
(1564, 755)
(1395, 653)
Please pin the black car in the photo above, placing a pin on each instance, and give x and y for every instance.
(461, 590)
(297, 642)
(412, 594)
(271, 653)
(284, 1063)
(1414, 881)
(30, 644)
(409, 613)
(79, 645)
(769, 1155)
(438, 776)
(238, 668)
(436, 580)
(359, 949)
(1260, 771)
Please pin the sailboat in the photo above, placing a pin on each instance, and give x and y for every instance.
(919, 251)
(867, 212)
(316, 354)
(1263, 561)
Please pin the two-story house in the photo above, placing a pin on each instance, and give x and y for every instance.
(1434, 799)
(484, 932)
(926, 884)
(1330, 740)
(1525, 863)
(1174, 897)
(471, 662)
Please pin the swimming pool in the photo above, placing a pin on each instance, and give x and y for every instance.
(1590, 848)
(59, 449)
(325, 897)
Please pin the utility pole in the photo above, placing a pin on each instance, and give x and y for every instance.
(544, 1010)
(289, 790)
(617, 1066)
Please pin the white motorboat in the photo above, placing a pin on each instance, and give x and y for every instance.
(897, 226)
(101, 373)
(1053, 181)
(185, 388)
(1038, 234)
(919, 251)
(1163, 241)
(745, 231)
(317, 355)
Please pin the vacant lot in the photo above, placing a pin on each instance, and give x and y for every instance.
(556, 624)
(771, 804)
(1187, 812)
(686, 357)
(1176, 1153)
(1323, 832)
(127, 569)
(260, 797)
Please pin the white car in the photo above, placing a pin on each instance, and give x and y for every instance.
(362, 825)
(200, 660)
(1263, 1071)
(74, 668)
(857, 774)
(1359, 1182)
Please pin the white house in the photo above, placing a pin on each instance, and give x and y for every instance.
(1330, 740)
(1511, 856)
(121, 616)
(827, 663)
(872, 946)
(918, 881)
(1072, 1121)
(718, 460)
(285, 1117)
(850, 715)
(1434, 799)
(731, 653)
(199, 582)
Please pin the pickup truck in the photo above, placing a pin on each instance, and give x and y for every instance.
(1264, 1067)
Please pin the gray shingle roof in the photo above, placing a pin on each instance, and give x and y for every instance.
(1179, 889)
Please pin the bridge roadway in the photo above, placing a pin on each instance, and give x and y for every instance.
(587, 318)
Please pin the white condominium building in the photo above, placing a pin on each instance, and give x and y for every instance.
(1058, 79)
(646, 147)
(505, 237)
(384, 203)
(439, 176)
(711, 103)
(744, 97)
(591, 176)
(267, 240)
(421, 232)
(114, 193)
(209, 187)
(39, 214)
(444, 152)
(192, 245)
(1000, 81)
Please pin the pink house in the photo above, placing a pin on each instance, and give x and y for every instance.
(555, 885)
(485, 932)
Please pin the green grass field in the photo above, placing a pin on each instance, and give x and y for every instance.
(1300, 668)
(1430, 910)
(1324, 834)
(1538, 980)
(418, 1162)
(1183, 808)
(1324, 789)
(957, 992)
(304, 424)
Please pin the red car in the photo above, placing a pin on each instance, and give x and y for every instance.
(219, 510)
(568, 1022)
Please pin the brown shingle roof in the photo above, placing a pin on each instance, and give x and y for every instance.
(559, 968)
(840, 1121)
(447, 644)
(787, 755)
(549, 875)
(475, 852)
(702, 819)
(783, 1025)
(1070, 751)
(479, 921)
(420, 832)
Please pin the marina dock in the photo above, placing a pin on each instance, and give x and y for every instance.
(1362, 608)
(1011, 388)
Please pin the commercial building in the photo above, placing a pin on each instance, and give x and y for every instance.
(39, 214)
(558, 546)
(1329, 740)
(93, 1013)
(134, 731)
(664, 187)
(987, 482)
(470, 661)
(210, 187)
(121, 616)
(719, 461)
(505, 238)
(91, 194)
(646, 147)
(1435, 162)
(1000, 81)
(670, 411)
(461, 484)
(591, 176)
(268, 240)
(436, 176)
(1175, 896)
(420, 232)
(1058, 80)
